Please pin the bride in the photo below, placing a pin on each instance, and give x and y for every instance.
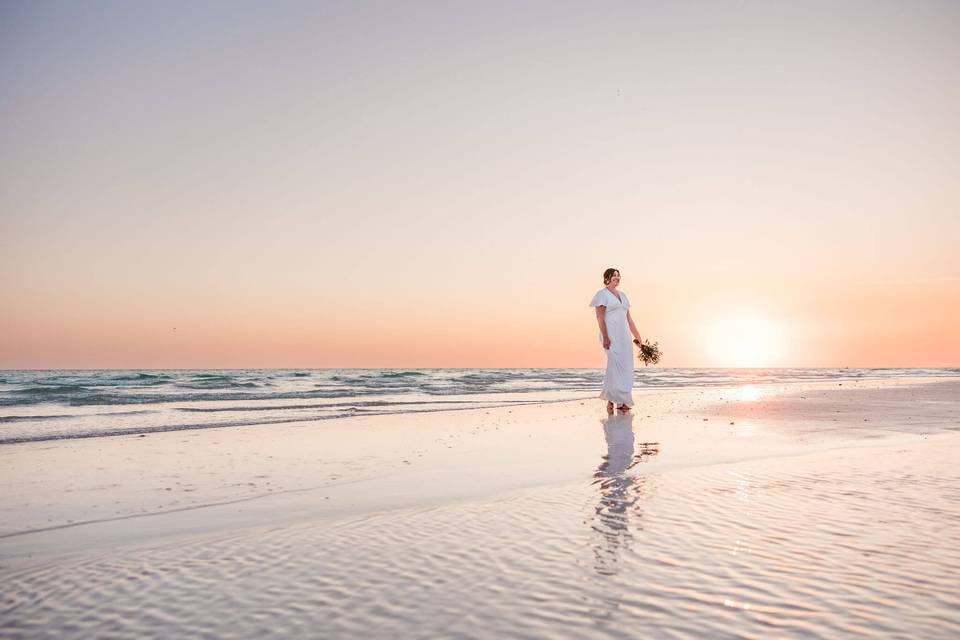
(616, 325)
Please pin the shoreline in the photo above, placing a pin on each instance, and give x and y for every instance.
(399, 448)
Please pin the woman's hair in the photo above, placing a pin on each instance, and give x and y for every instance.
(609, 274)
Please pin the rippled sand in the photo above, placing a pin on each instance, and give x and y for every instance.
(563, 523)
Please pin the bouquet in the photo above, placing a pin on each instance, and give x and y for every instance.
(649, 353)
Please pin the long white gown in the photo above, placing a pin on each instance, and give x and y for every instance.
(618, 381)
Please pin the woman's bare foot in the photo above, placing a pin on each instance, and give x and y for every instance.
(624, 407)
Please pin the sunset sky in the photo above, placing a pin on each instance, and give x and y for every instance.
(420, 184)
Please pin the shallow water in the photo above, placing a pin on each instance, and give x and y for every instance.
(840, 543)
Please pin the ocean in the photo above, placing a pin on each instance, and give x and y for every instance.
(38, 405)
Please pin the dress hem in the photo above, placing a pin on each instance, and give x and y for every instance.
(604, 396)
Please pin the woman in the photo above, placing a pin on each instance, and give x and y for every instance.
(616, 325)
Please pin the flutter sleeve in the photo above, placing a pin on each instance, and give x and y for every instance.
(598, 299)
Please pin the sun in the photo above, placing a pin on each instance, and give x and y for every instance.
(745, 340)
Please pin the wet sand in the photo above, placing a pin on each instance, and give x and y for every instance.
(800, 510)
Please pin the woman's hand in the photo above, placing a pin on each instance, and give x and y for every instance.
(606, 343)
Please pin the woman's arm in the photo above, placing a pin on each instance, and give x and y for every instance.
(602, 321)
(633, 327)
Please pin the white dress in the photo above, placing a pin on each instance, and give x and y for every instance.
(618, 381)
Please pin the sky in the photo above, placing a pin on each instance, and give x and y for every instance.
(442, 184)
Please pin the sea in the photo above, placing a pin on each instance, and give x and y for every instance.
(40, 405)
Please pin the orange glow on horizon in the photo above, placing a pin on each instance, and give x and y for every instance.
(882, 327)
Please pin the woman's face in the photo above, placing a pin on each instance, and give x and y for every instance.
(615, 279)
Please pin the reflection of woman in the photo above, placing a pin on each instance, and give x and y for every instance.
(618, 432)
(616, 516)
(616, 325)
(617, 496)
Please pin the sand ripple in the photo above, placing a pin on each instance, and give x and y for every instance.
(841, 544)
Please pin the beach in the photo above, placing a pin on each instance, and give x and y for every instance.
(791, 509)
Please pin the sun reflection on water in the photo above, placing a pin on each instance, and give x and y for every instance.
(749, 393)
